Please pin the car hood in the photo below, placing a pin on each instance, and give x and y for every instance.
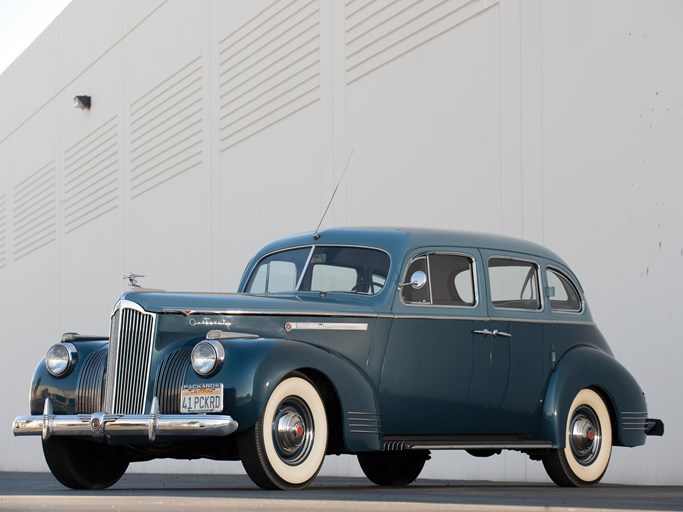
(235, 303)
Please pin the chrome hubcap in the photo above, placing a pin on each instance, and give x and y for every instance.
(293, 430)
(585, 435)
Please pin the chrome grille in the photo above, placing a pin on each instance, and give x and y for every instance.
(130, 352)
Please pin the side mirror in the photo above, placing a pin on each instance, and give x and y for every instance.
(417, 280)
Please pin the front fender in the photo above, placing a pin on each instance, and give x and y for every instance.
(253, 368)
(587, 367)
(62, 390)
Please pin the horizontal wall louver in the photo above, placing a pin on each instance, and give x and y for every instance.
(166, 129)
(269, 69)
(379, 31)
(34, 211)
(91, 176)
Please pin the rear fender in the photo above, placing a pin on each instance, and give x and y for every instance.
(587, 367)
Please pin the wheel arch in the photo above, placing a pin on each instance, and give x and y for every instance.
(333, 409)
(588, 367)
(348, 394)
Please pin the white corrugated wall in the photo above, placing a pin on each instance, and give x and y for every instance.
(218, 125)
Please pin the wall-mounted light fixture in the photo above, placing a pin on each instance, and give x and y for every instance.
(82, 102)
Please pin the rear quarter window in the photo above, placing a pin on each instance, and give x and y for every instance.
(563, 295)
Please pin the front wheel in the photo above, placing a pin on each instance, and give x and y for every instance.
(588, 443)
(80, 464)
(286, 447)
(393, 468)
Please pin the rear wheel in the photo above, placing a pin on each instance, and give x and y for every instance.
(393, 468)
(82, 464)
(286, 447)
(588, 446)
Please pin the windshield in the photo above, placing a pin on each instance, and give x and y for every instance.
(321, 269)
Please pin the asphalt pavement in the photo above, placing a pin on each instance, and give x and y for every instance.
(169, 493)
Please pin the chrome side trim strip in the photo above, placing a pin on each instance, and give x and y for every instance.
(364, 423)
(433, 317)
(318, 314)
(242, 312)
(324, 326)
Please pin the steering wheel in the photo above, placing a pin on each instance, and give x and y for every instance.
(372, 284)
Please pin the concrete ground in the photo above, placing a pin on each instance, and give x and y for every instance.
(168, 493)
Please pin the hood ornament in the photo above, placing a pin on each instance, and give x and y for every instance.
(132, 279)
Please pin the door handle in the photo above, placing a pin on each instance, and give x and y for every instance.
(495, 332)
(484, 332)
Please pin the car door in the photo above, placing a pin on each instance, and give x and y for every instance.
(518, 334)
(434, 378)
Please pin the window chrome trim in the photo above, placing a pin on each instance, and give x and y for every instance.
(486, 318)
(541, 296)
(475, 281)
(409, 316)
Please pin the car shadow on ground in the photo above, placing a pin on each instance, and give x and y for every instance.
(602, 496)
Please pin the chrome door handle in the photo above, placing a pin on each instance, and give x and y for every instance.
(484, 332)
(495, 332)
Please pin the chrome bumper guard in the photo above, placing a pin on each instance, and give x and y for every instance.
(100, 424)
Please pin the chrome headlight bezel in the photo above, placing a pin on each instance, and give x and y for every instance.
(60, 359)
(207, 357)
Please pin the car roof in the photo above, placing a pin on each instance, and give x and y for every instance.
(401, 239)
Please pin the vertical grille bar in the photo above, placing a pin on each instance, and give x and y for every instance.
(130, 352)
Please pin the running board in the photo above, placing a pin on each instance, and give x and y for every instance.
(464, 444)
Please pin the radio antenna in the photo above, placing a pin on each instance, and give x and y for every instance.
(316, 235)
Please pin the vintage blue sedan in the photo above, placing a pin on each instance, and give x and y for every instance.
(383, 343)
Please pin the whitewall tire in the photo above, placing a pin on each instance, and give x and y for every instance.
(286, 447)
(588, 443)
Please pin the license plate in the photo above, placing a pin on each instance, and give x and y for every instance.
(201, 398)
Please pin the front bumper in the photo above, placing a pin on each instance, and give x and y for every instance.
(100, 424)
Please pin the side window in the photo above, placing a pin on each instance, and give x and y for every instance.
(279, 272)
(450, 280)
(562, 293)
(275, 276)
(514, 284)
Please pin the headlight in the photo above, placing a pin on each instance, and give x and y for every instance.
(207, 357)
(60, 359)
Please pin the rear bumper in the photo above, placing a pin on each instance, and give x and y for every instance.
(99, 425)
(654, 427)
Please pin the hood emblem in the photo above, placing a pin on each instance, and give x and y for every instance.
(132, 279)
(206, 321)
